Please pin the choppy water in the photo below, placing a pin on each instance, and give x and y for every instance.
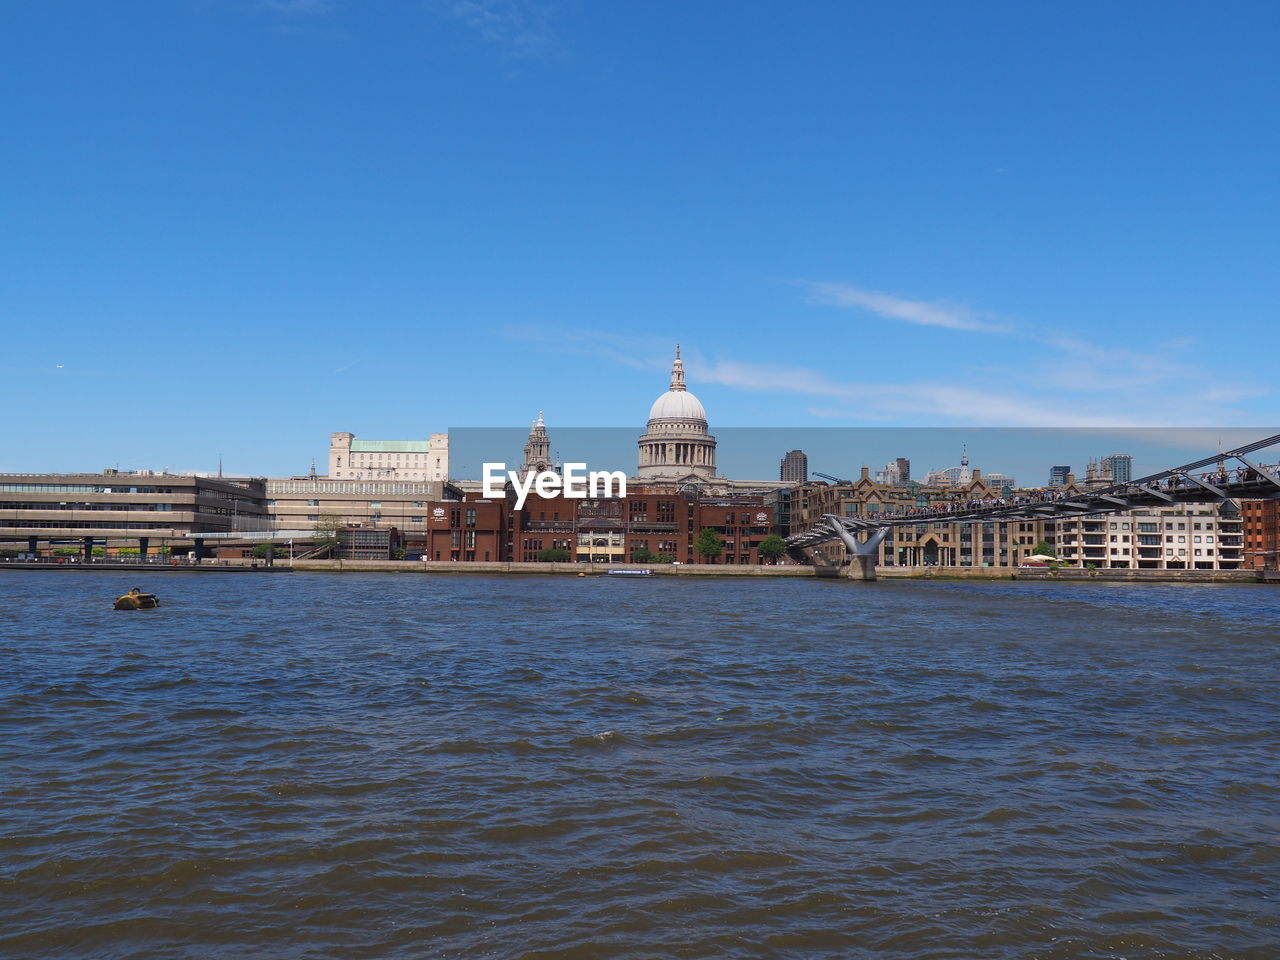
(308, 766)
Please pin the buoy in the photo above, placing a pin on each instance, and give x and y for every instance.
(135, 599)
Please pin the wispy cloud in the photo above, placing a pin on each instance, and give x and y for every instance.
(939, 313)
(1043, 390)
(522, 29)
(866, 401)
(639, 353)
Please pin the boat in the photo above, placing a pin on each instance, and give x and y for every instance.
(630, 573)
(135, 599)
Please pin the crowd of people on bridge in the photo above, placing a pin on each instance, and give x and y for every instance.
(1222, 476)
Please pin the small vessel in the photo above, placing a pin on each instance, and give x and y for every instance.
(630, 573)
(135, 599)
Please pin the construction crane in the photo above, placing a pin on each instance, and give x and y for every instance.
(836, 480)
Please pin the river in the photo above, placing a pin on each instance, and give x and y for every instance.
(312, 766)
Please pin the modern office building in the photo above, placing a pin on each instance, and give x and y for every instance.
(1058, 475)
(1121, 467)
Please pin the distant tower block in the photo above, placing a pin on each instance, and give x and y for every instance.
(794, 467)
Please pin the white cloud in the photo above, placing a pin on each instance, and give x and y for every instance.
(925, 313)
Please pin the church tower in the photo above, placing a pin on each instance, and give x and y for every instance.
(537, 451)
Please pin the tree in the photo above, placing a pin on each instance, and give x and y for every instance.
(709, 543)
(1046, 548)
(326, 530)
(641, 554)
(664, 558)
(554, 555)
(264, 551)
(772, 547)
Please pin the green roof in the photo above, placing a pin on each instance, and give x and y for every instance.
(390, 446)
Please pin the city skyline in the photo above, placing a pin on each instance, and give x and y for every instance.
(245, 225)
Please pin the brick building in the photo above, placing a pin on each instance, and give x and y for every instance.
(1260, 522)
(467, 530)
(658, 519)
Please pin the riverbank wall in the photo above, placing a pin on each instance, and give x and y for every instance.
(789, 570)
(445, 567)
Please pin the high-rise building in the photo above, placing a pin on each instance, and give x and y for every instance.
(1121, 467)
(795, 467)
(1058, 475)
(904, 469)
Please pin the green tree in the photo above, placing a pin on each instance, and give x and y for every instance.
(641, 554)
(709, 543)
(264, 551)
(555, 555)
(772, 547)
(664, 558)
(326, 530)
(1046, 548)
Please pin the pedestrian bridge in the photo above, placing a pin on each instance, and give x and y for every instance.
(1232, 475)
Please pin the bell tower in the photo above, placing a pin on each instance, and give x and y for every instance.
(537, 450)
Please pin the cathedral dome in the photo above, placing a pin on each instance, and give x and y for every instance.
(677, 405)
(676, 445)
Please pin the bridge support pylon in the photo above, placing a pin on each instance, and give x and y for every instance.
(862, 553)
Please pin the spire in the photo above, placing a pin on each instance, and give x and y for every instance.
(539, 423)
(964, 455)
(677, 371)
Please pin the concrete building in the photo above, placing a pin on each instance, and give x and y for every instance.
(411, 460)
(144, 509)
(794, 467)
(676, 444)
(300, 503)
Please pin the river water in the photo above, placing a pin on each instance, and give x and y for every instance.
(312, 766)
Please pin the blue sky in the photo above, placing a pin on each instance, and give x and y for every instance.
(229, 227)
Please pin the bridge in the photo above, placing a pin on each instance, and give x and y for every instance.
(1235, 476)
